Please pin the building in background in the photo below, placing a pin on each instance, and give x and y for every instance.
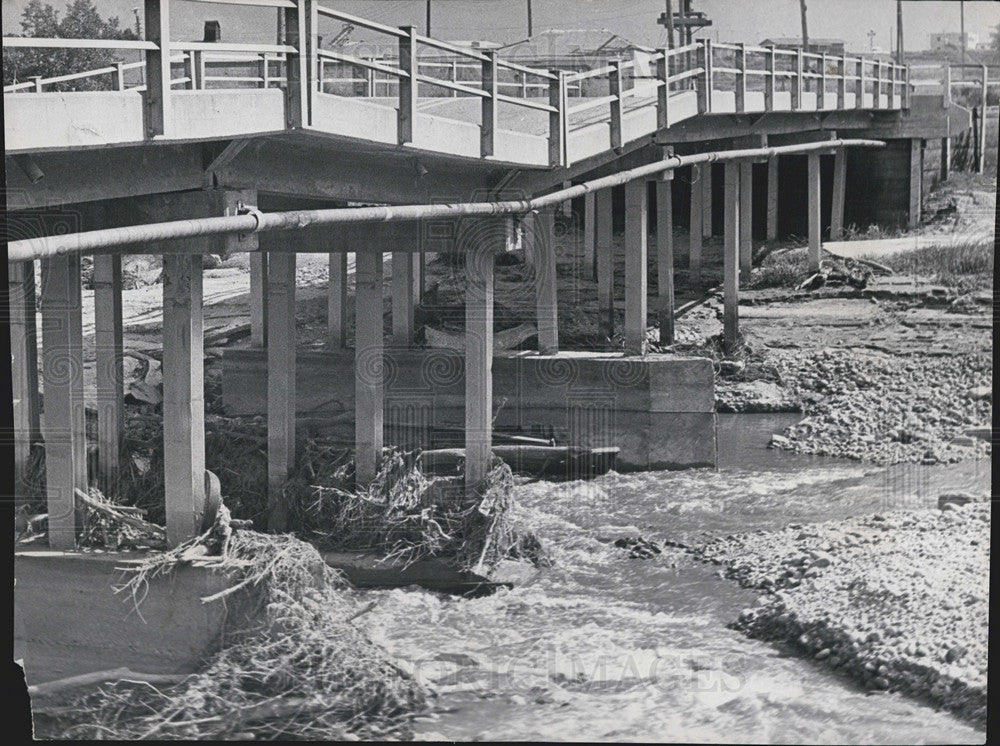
(830, 46)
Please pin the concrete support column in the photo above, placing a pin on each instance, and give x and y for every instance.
(916, 181)
(545, 275)
(478, 364)
(280, 385)
(665, 258)
(403, 301)
(258, 299)
(746, 221)
(730, 266)
(636, 281)
(837, 199)
(368, 350)
(945, 158)
(183, 396)
(604, 235)
(706, 200)
(772, 198)
(110, 367)
(336, 318)
(698, 173)
(813, 215)
(62, 379)
(24, 368)
(589, 235)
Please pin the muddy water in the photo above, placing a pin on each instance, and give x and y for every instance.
(602, 647)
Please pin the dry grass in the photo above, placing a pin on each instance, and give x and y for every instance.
(303, 671)
(965, 267)
(783, 269)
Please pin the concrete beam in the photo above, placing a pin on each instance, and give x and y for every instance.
(730, 266)
(62, 378)
(547, 304)
(183, 396)
(368, 351)
(813, 215)
(636, 281)
(280, 385)
(604, 249)
(24, 368)
(110, 368)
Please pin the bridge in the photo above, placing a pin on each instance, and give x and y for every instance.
(182, 160)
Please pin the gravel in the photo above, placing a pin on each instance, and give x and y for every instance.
(897, 601)
(888, 409)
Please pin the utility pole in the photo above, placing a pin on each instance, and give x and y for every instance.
(427, 31)
(899, 32)
(531, 31)
(670, 24)
(805, 26)
(961, 9)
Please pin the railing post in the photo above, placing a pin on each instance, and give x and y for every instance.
(297, 73)
(906, 89)
(558, 154)
(198, 68)
(615, 89)
(265, 73)
(705, 89)
(860, 94)
(663, 90)
(770, 80)
(877, 87)
(189, 71)
(981, 165)
(157, 95)
(37, 80)
(118, 76)
(741, 78)
(797, 87)
(488, 128)
(842, 84)
(821, 90)
(408, 85)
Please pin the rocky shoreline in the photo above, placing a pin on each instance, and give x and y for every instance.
(896, 601)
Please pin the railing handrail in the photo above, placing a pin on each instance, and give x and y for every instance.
(40, 42)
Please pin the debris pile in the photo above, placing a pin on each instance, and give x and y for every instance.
(406, 516)
(303, 670)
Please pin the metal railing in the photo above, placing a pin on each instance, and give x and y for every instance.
(299, 66)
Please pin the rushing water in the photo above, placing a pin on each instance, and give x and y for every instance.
(603, 647)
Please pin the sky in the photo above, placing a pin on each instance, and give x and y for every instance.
(505, 20)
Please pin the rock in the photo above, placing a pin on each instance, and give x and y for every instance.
(963, 441)
(955, 499)
(821, 559)
(983, 433)
(780, 441)
(955, 653)
(982, 392)
(824, 653)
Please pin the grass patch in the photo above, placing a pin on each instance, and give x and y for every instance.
(965, 267)
(782, 269)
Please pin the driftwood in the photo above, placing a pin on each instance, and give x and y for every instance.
(565, 462)
(502, 340)
(99, 677)
(128, 520)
